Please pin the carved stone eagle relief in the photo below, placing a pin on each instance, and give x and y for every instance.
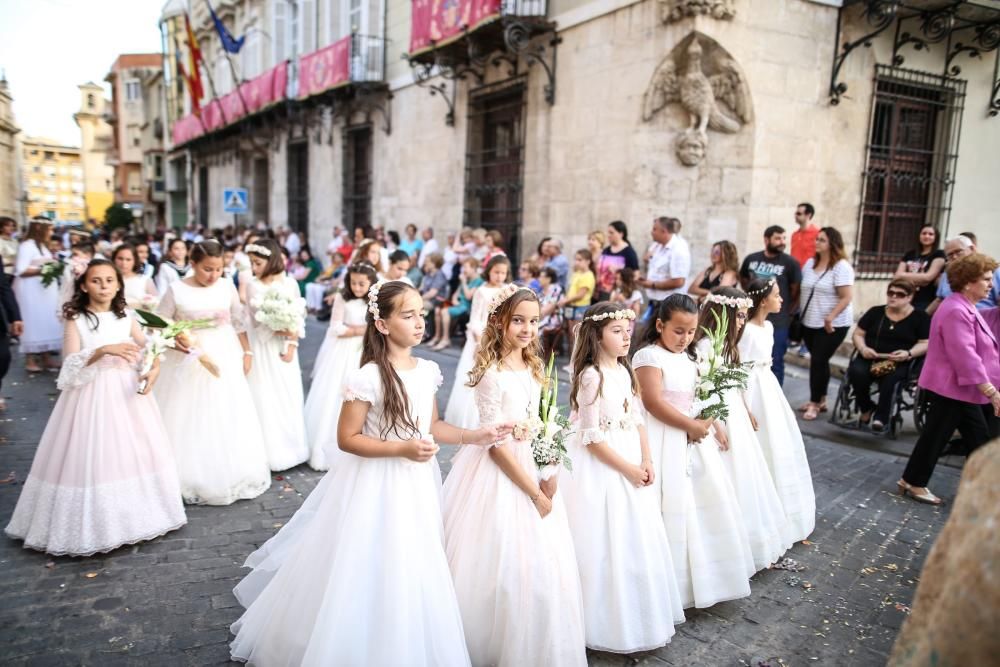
(708, 84)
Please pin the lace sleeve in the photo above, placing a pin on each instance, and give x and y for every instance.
(237, 311)
(360, 386)
(75, 371)
(168, 305)
(589, 413)
(337, 326)
(477, 312)
(489, 395)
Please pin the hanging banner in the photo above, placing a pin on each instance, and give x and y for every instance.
(440, 21)
(254, 95)
(325, 69)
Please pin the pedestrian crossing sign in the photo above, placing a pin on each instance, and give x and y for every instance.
(235, 200)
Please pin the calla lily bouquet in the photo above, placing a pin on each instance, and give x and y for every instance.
(165, 333)
(715, 376)
(548, 444)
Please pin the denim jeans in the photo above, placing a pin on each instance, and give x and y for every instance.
(778, 353)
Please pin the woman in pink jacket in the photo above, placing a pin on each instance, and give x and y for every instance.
(960, 375)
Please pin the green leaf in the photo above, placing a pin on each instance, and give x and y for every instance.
(151, 320)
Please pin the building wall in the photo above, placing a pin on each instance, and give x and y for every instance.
(10, 172)
(53, 179)
(96, 141)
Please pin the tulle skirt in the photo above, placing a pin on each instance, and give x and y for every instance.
(630, 596)
(277, 393)
(785, 453)
(359, 578)
(103, 474)
(461, 410)
(515, 573)
(337, 357)
(763, 516)
(708, 542)
(212, 422)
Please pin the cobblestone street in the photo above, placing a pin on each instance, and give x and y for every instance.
(169, 602)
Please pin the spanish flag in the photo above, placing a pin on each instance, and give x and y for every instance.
(193, 74)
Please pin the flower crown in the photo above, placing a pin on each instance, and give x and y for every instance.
(626, 314)
(763, 290)
(506, 292)
(732, 302)
(257, 250)
(373, 299)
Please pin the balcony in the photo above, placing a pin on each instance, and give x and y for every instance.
(352, 60)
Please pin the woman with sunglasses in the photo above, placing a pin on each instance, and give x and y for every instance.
(888, 338)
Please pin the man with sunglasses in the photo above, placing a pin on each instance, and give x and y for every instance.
(888, 338)
(955, 248)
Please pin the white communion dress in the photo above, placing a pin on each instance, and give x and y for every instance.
(779, 435)
(276, 385)
(212, 421)
(515, 573)
(363, 579)
(710, 547)
(630, 596)
(461, 410)
(39, 304)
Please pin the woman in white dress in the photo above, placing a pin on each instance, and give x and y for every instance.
(212, 421)
(779, 435)
(461, 409)
(763, 516)
(275, 378)
(103, 474)
(140, 292)
(339, 355)
(174, 265)
(709, 545)
(42, 337)
(367, 582)
(507, 536)
(630, 596)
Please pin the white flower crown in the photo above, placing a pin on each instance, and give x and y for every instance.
(257, 250)
(507, 291)
(627, 314)
(373, 299)
(763, 290)
(732, 302)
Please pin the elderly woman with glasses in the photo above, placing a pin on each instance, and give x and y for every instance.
(960, 375)
(888, 338)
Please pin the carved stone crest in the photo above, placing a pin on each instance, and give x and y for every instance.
(707, 83)
(678, 10)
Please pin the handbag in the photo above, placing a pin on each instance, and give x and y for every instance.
(883, 367)
(795, 327)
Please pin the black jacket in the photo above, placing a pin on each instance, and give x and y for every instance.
(9, 312)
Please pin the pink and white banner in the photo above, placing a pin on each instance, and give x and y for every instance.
(253, 95)
(325, 69)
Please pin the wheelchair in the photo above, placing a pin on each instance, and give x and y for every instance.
(907, 397)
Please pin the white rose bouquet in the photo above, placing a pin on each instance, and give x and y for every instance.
(548, 444)
(52, 272)
(715, 376)
(280, 312)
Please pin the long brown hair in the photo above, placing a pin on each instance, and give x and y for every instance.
(706, 320)
(587, 350)
(493, 343)
(361, 254)
(375, 350)
(836, 242)
(79, 303)
(36, 232)
(730, 258)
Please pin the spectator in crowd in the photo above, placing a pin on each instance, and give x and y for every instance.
(960, 375)
(551, 322)
(579, 295)
(773, 262)
(410, 244)
(10, 322)
(527, 276)
(468, 280)
(8, 246)
(619, 254)
(307, 268)
(399, 266)
(492, 245)
(804, 238)
(556, 260)
(955, 248)
(668, 263)
(434, 290)
(723, 272)
(595, 242)
(429, 247)
(888, 338)
(922, 266)
(539, 257)
(827, 283)
(627, 292)
(293, 243)
(340, 245)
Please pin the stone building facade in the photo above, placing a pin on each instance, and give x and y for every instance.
(555, 118)
(11, 190)
(96, 146)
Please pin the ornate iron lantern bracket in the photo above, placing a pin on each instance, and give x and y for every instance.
(517, 40)
(880, 14)
(449, 74)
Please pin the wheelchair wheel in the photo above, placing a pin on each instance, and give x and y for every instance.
(842, 413)
(920, 409)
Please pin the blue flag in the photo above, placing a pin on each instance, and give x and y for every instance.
(229, 43)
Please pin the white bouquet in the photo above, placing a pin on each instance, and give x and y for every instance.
(715, 376)
(52, 272)
(279, 311)
(549, 429)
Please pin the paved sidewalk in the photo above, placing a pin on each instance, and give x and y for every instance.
(169, 602)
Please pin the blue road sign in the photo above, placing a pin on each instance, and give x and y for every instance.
(235, 200)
